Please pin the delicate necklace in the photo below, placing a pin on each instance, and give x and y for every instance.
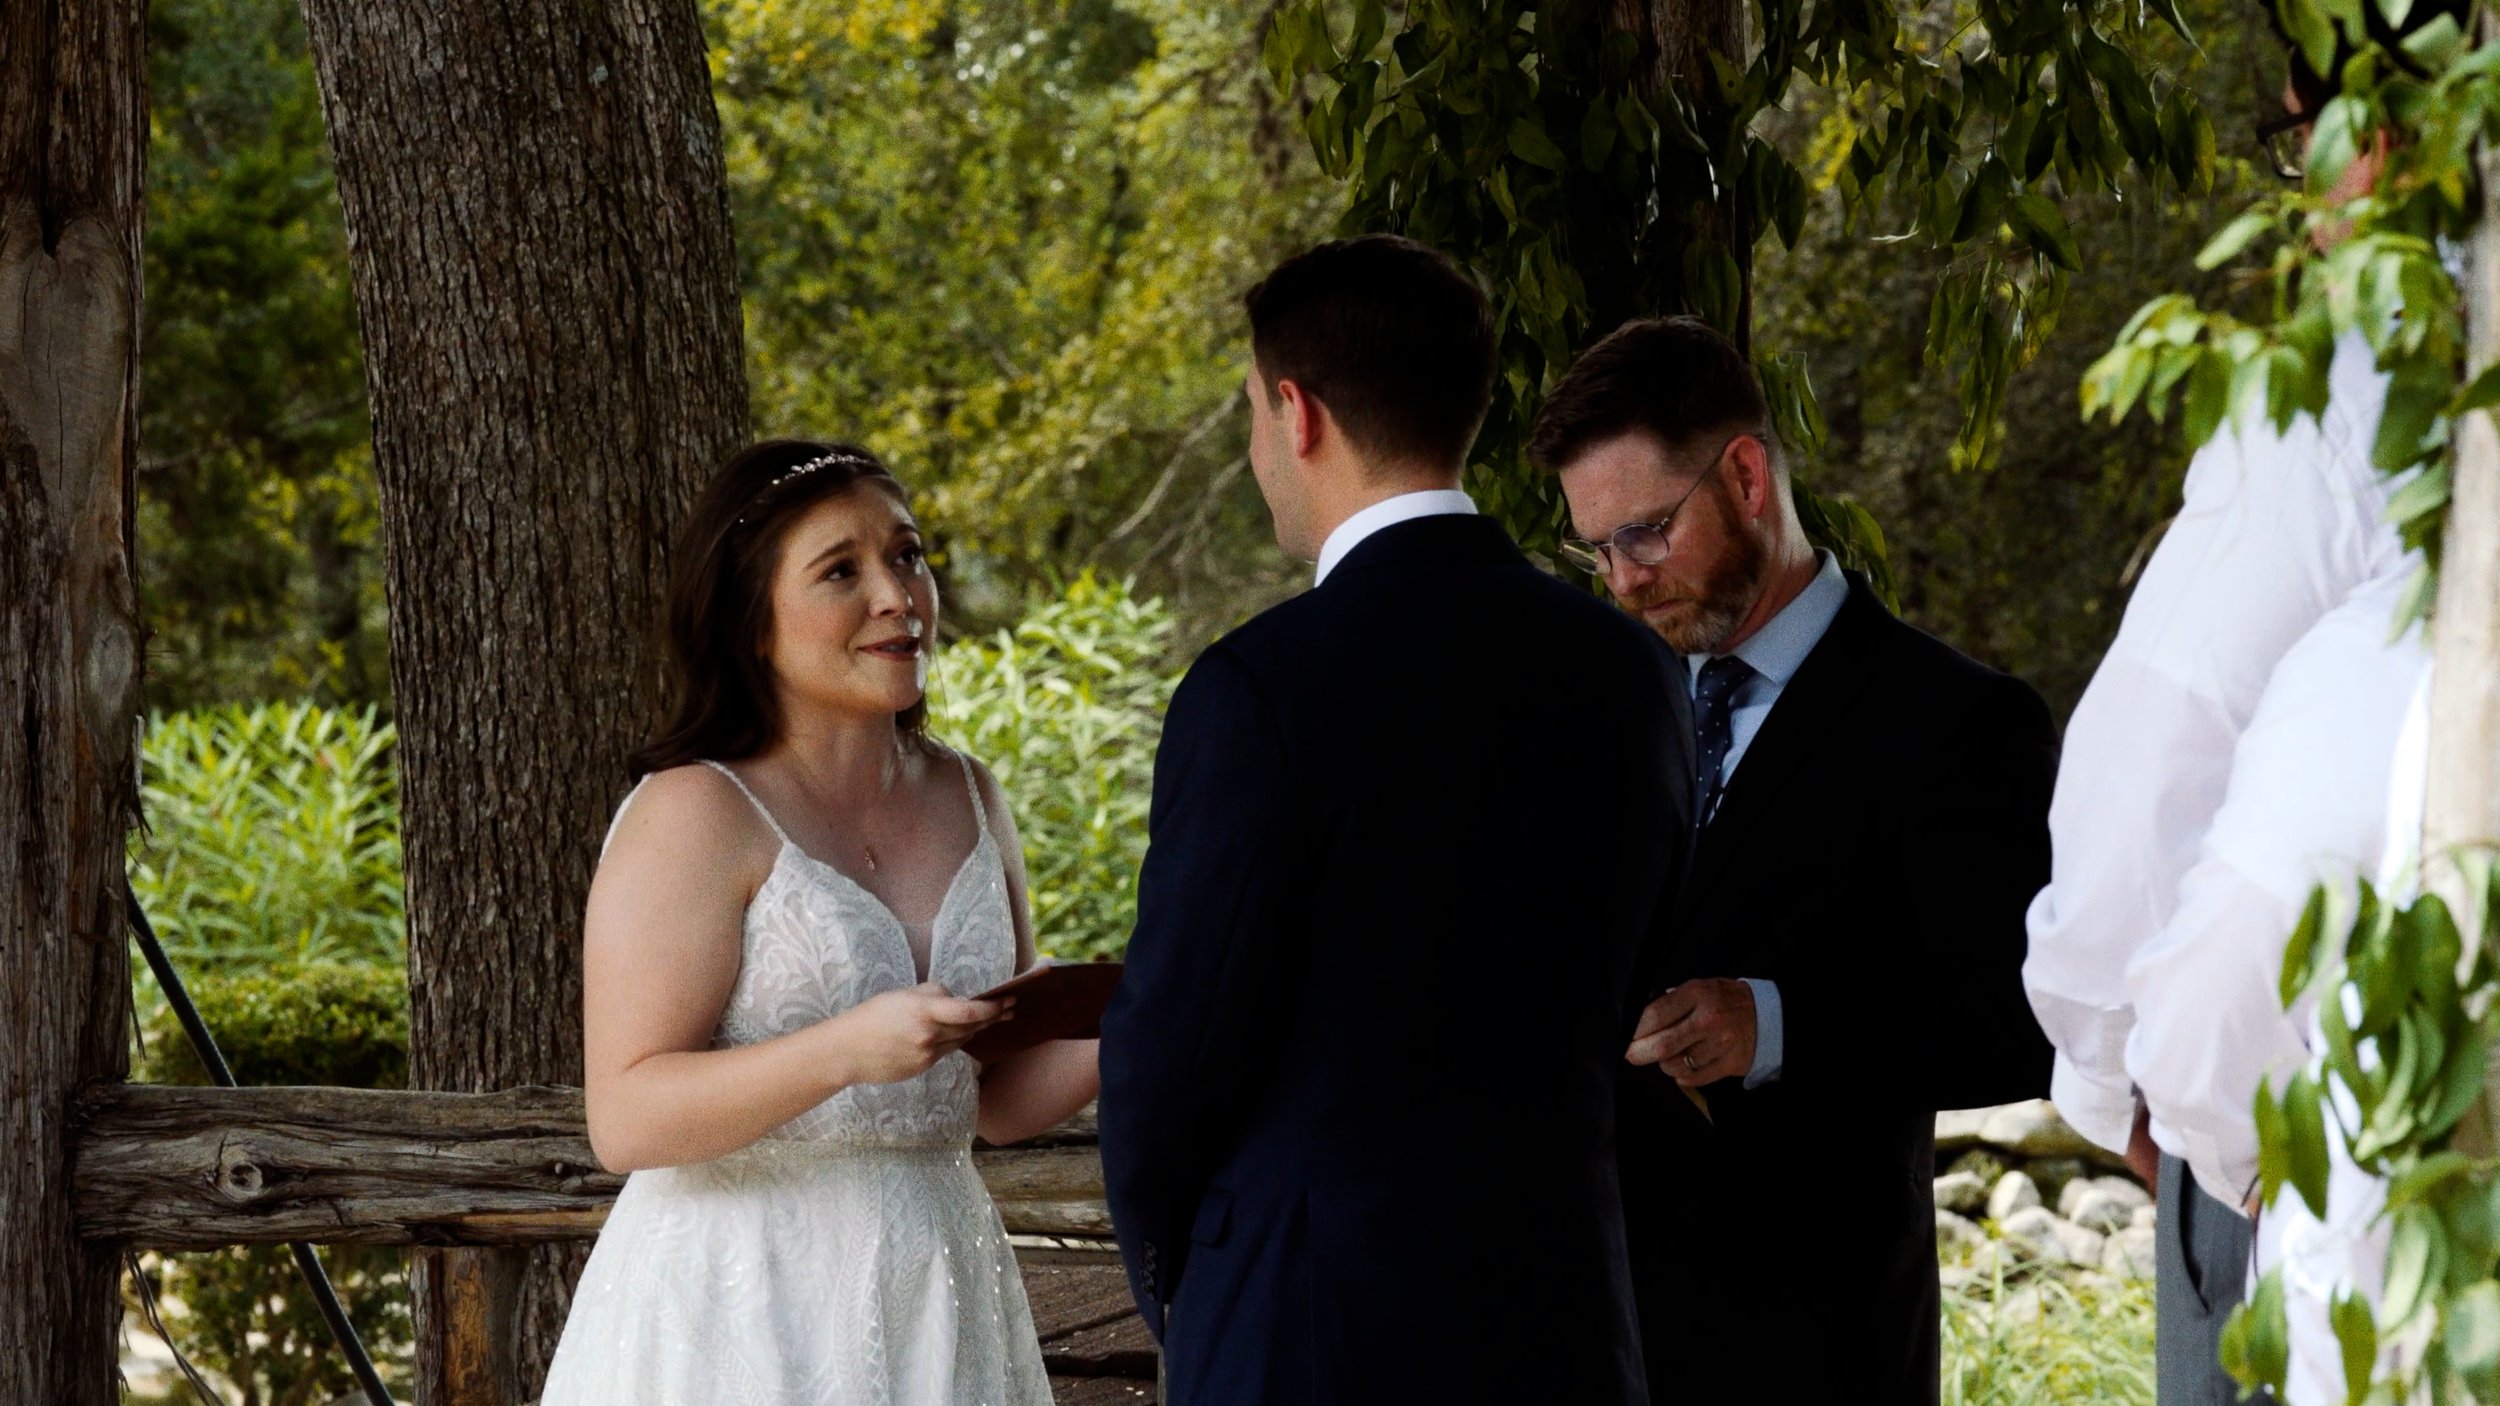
(867, 850)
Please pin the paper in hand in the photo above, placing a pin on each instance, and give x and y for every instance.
(1054, 1001)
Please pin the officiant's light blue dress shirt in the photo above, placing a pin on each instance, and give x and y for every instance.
(1775, 653)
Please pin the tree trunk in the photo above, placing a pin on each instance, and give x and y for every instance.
(73, 145)
(1678, 39)
(2463, 803)
(538, 227)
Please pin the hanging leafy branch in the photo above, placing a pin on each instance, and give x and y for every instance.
(2368, 268)
(1544, 143)
(2404, 993)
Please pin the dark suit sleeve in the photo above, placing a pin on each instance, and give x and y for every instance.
(1178, 1042)
(1928, 992)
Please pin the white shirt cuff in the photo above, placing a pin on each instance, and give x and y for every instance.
(1769, 1035)
(2099, 1111)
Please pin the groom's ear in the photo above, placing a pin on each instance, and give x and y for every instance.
(1303, 417)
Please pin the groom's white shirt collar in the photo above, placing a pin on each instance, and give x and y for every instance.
(1388, 512)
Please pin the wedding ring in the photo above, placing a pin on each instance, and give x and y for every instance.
(1689, 1066)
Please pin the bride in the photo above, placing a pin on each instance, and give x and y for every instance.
(793, 909)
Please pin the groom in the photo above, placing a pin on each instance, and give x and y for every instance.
(1410, 830)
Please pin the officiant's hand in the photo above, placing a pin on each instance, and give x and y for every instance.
(897, 1035)
(1699, 1032)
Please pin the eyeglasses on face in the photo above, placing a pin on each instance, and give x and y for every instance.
(1642, 542)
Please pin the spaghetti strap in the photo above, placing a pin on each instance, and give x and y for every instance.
(734, 780)
(972, 786)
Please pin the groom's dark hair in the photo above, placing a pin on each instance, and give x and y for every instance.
(1389, 335)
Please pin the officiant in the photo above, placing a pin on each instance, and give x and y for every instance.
(1846, 956)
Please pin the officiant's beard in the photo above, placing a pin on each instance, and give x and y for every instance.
(1702, 620)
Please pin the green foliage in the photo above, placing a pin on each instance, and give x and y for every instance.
(1524, 138)
(257, 521)
(271, 837)
(330, 1023)
(2026, 565)
(1065, 709)
(2031, 1337)
(1003, 242)
(246, 1315)
(2406, 1012)
(2368, 266)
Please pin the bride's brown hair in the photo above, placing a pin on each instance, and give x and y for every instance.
(719, 612)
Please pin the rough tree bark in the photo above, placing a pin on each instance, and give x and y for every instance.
(73, 142)
(1678, 38)
(2463, 803)
(538, 229)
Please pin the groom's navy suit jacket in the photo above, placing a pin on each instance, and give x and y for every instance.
(1873, 855)
(1410, 831)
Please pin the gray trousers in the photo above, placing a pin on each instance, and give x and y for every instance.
(2200, 1273)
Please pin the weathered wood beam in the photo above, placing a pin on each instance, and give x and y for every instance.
(181, 1168)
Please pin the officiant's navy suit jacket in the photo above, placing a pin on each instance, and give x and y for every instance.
(1873, 856)
(1410, 832)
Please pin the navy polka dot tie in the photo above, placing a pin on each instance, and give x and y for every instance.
(1713, 696)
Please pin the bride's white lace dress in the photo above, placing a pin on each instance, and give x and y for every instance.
(852, 1256)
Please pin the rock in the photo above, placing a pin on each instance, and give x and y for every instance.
(1955, 1234)
(2083, 1245)
(2013, 1192)
(2053, 1175)
(2033, 1129)
(2058, 1241)
(1959, 1129)
(1981, 1163)
(2104, 1203)
(2129, 1253)
(2033, 1229)
(1961, 1193)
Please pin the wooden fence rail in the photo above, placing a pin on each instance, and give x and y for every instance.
(178, 1168)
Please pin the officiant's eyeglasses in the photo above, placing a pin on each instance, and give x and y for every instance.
(1642, 542)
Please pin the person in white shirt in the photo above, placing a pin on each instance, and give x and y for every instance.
(2232, 751)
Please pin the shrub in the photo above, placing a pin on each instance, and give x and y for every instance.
(271, 836)
(245, 1313)
(1066, 709)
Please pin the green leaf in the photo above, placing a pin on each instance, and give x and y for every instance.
(1983, 205)
(2300, 955)
(2482, 393)
(1597, 137)
(2208, 396)
(2357, 1334)
(2304, 1127)
(2235, 237)
(2313, 32)
(2255, 1341)
(1529, 143)
(2334, 140)
(2274, 1152)
(2461, 1083)
(2043, 227)
(2414, 1263)
(2426, 1177)
(2415, 398)
(2472, 1331)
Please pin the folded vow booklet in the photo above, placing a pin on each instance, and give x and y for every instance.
(1054, 1001)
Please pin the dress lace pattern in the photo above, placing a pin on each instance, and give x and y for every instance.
(852, 1257)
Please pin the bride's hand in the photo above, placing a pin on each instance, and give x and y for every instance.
(896, 1035)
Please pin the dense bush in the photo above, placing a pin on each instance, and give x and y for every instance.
(244, 1313)
(271, 837)
(1066, 708)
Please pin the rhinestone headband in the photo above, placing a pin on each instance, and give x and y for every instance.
(803, 469)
